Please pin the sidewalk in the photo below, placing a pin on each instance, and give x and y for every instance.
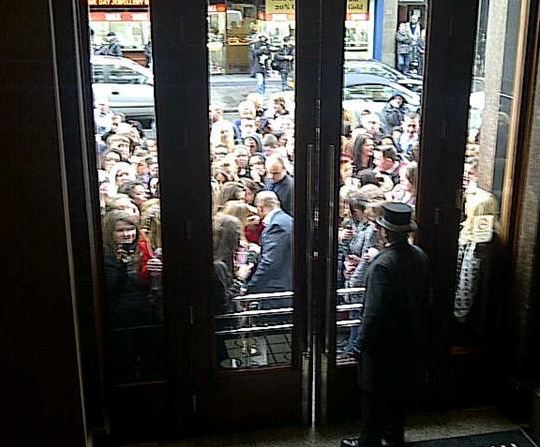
(232, 79)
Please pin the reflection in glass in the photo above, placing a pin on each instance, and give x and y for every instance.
(126, 152)
(251, 111)
(477, 303)
(380, 140)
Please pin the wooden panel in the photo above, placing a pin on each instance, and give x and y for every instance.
(41, 390)
(449, 59)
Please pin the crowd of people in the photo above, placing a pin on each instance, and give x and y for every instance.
(252, 181)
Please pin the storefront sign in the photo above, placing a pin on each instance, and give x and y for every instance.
(279, 6)
(358, 10)
(119, 17)
(217, 8)
(357, 6)
(118, 3)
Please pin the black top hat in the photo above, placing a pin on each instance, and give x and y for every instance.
(397, 217)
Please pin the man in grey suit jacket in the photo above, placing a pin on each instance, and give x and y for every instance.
(274, 270)
(392, 333)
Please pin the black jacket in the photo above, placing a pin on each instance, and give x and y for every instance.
(393, 116)
(393, 326)
(281, 61)
(285, 192)
(261, 56)
(112, 48)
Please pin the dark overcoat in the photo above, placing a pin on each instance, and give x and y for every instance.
(392, 332)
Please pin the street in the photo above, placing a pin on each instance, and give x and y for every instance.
(230, 90)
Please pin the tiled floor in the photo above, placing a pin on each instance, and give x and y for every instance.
(420, 427)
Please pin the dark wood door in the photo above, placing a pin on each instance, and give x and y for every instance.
(444, 112)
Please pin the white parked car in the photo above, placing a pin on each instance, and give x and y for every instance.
(126, 86)
(368, 92)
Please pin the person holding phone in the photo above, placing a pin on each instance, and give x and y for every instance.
(128, 268)
(130, 273)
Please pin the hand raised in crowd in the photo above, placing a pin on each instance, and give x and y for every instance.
(155, 266)
(255, 176)
(122, 254)
(244, 270)
(253, 220)
(254, 248)
(370, 254)
(350, 263)
(346, 234)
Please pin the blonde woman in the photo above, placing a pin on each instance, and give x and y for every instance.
(477, 297)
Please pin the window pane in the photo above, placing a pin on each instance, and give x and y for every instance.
(128, 174)
(477, 303)
(384, 62)
(251, 65)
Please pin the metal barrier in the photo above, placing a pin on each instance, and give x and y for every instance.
(248, 314)
(251, 329)
(255, 313)
(263, 296)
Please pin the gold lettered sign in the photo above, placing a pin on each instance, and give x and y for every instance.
(118, 3)
(279, 6)
(357, 6)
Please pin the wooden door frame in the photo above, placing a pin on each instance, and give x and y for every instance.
(449, 68)
(448, 76)
(214, 398)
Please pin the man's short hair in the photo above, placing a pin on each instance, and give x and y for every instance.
(267, 199)
(275, 158)
(269, 140)
(116, 138)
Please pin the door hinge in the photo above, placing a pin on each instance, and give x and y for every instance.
(436, 215)
(315, 255)
(194, 402)
(316, 219)
(191, 315)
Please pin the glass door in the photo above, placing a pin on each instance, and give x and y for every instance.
(204, 123)
(388, 146)
(267, 156)
(242, 120)
(478, 323)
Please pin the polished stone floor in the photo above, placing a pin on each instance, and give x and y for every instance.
(420, 427)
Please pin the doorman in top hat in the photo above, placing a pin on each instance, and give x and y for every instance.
(392, 332)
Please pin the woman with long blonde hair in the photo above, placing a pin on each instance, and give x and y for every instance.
(479, 271)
